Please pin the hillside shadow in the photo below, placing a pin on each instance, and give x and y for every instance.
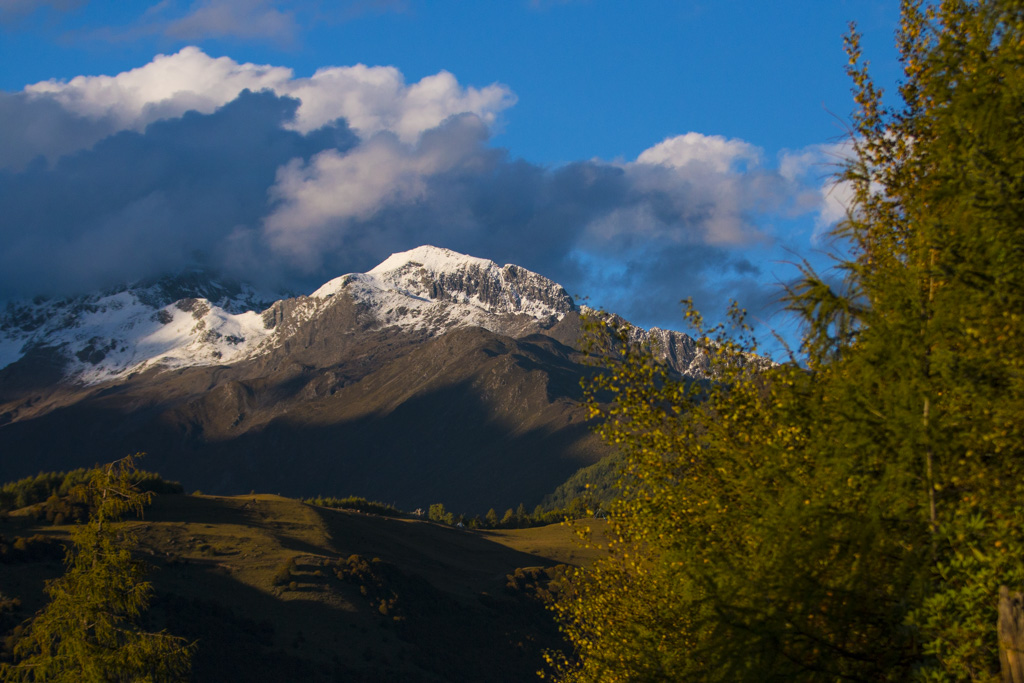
(458, 561)
(327, 630)
(213, 512)
(464, 444)
(442, 446)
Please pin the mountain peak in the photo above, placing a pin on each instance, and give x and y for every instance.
(437, 274)
(433, 290)
(195, 318)
(431, 258)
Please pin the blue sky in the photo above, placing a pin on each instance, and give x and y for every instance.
(638, 153)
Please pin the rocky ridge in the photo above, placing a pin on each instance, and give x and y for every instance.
(195, 320)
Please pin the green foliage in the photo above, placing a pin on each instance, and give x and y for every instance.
(956, 620)
(356, 503)
(437, 513)
(536, 583)
(522, 517)
(59, 486)
(377, 582)
(552, 513)
(89, 631)
(851, 518)
(9, 608)
(283, 575)
(589, 487)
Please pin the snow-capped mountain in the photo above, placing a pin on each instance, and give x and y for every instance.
(434, 377)
(193, 320)
(188, 319)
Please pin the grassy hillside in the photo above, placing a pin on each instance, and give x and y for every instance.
(277, 590)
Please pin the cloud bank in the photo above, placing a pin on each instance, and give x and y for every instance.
(290, 181)
(66, 116)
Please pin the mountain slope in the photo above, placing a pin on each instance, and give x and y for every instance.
(434, 377)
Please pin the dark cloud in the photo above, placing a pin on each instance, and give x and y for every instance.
(41, 127)
(137, 204)
(235, 191)
(638, 237)
(654, 281)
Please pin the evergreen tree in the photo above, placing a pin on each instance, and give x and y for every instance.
(522, 517)
(851, 518)
(538, 514)
(89, 631)
(437, 513)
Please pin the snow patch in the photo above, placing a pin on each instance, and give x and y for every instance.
(107, 337)
(191, 320)
(433, 259)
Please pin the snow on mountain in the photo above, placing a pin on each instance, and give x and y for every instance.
(109, 335)
(434, 289)
(193, 319)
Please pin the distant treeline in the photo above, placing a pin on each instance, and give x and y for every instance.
(519, 518)
(356, 503)
(53, 490)
(581, 506)
(51, 494)
(595, 484)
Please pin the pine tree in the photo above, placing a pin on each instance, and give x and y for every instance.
(89, 631)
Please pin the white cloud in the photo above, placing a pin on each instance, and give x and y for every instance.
(823, 161)
(375, 99)
(319, 200)
(335, 187)
(371, 99)
(167, 87)
(707, 186)
(712, 152)
(417, 170)
(820, 165)
(702, 199)
(836, 200)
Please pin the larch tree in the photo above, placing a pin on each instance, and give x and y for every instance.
(89, 632)
(852, 515)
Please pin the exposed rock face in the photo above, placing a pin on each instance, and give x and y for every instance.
(434, 377)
